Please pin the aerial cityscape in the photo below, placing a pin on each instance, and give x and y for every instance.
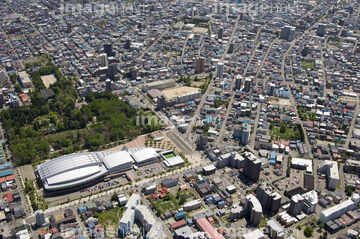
(206, 119)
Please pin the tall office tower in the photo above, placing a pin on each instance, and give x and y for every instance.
(341, 22)
(252, 166)
(88, 89)
(296, 205)
(202, 141)
(253, 208)
(241, 16)
(112, 71)
(231, 47)
(161, 102)
(271, 89)
(238, 82)
(46, 13)
(287, 33)
(134, 73)
(108, 84)
(220, 70)
(108, 49)
(256, 28)
(103, 60)
(200, 65)
(127, 44)
(1, 99)
(220, 33)
(245, 134)
(247, 84)
(40, 218)
(68, 27)
(237, 132)
(2, 78)
(305, 51)
(321, 30)
(269, 200)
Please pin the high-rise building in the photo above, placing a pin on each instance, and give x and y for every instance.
(200, 65)
(296, 205)
(108, 49)
(134, 73)
(237, 133)
(305, 51)
(127, 44)
(220, 33)
(68, 27)
(2, 78)
(256, 28)
(253, 208)
(269, 200)
(1, 99)
(287, 33)
(252, 166)
(330, 169)
(46, 13)
(321, 30)
(40, 218)
(231, 47)
(341, 22)
(220, 70)
(238, 82)
(108, 84)
(161, 102)
(241, 14)
(88, 89)
(247, 84)
(112, 71)
(103, 60)
(245, 133)
(202, 141)
(271, 89)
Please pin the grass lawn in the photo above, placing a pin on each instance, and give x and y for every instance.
(262, 222)
(169, 155)
(310, 65)
(289, 133)
(110, 217)
(165, 206)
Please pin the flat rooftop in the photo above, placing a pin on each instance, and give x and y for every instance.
(174, 92)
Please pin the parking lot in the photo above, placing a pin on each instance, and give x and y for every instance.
(292, 182)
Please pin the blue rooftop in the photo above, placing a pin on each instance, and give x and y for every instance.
(6, 173)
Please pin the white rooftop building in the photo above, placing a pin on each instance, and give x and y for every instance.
(310, 201)
(145, 156)
(78, 169)
(338, 210)
(192, 205)
(304, 164)
(136, 212)
(256, 234)
(330, 168)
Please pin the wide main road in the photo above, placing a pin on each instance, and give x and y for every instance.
(203, 98)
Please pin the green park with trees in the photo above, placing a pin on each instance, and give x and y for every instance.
(57, 122)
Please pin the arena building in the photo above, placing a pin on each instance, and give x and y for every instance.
(74, 170)
(77, 169)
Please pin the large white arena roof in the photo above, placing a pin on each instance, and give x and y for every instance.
(112, 160)
(71, 170)
(144, 154)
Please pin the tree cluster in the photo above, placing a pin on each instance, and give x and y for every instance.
(57, 122)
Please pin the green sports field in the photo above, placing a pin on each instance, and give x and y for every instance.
(169, 155)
